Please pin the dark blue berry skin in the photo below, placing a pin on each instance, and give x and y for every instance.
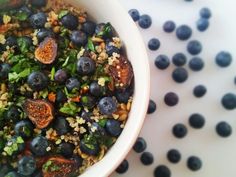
(89, 27)
(113, 127)
(90, 149)
(66, 149)
(43, 33)
(61, 125)
(78, 160)
(134, 13)
(60, 97)
(86, 66)
(145, 21)
(205, 13)
(88, 101)
(229, 101)
(151, 107)
(79, 38)
(173, 156)
(162, 171)
(140, 145)
(223, 129)
(24, 128)
(11, 41)
(37, 81)
(26, 165)
(95, 89)
(12, 174)
(196, 64)
(154, 44)
(38, 20)
(110, 49)
(100, 29)
(122, 95)
(235, 80)
(194, 163)
(202, 24)
(86, 116)
(123, 167)
(162, 62)
(147, 158)
(4, 169)
(39, 3)
(39, 145)
(180, 75)
(13, 114)
(60, 76)
(169, 26)
(199, 91)
(4, 70)
(72, 83)
(70, 21)
(107, 105)
(37, 173)
(25, 10)
(179, 59)
(183, 32)
(179, 130)
(194, 47)
(223, 59)
(171, 99)
(196, 121)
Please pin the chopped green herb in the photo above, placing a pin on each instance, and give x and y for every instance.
(63, 13)
(43, 93)
(91, 45)
(70, 108)
(22, 43)
(66, 62)
(102, 122)
(106, 30)
(22, 16)
(14, 77)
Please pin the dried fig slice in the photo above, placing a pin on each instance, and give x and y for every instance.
(121, 72)
(40, 112)
(47, 51)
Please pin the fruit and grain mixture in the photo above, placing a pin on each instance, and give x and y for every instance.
(65, 89)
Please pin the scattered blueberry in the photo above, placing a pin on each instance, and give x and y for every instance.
(196, 121)
(89, 148)
(179, 59)
(169, 26)
(89, 27)
(43, 33)
(66, 149)
(171, 99)
(223, 129)
(123, 167)
(151, 107)
(26, 165)
(72, 83)
(183, 32)
(147, 158)
(123, 95)
(110, 49)
(60, 97)
(60, 76)
(179, 130)
(13, 114)
(134, 13)
(78, 160)
(11, 41)
(162, 171)
(107, 105)
(180, 75)
(199, 91)
(86, 66)
(194, 47)
(4, 70)
(88, 101)
(39, 145)
(79, 38)
(205, 13)
(173, 156)
(37, 81)
(196, 64)
(61, 126)
(202, 24)
(145, 21)
(39, 3)
(24, 128)
(162, 62)
(140, 145)
(223, 59)
(96, 89)
(194, 163)
(154, 44)
(38, 20)
(229, 101)
(113, 127)
(70, 21)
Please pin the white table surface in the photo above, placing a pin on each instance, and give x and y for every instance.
(218, 154)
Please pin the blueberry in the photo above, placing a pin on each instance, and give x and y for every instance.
(61, 125)
(196, 121)
(89, 148)
(147, 158)
(37, 173)
(140, 145)
(66, 149)
(151, 107)
(107, 105)
(162, 171)
(86, 116)
(78, 160)
(24, 128)
(173, 156)
(180, 75)
(4, 169)
(179, 59)
(13, 114)
(171, 99)
(89, 27)
(11, 41)
(60, 97)
(79, 38)
(145, 21)
(26, 165)
(113, 127)
(88, 101)
(199, 91)
(194, 47)
(179, 130)
(25, 10)
(202, 24)
(105, 31)
(169, 26)
(96, 89)
(123, 167)
(70, 21)
(123, 95)
(38, 20)
(183, 32)
(60, 76)
(223, 59)
(43, 33)
(12, 174)
(154, 44)
(134, 13)
(110, 49)
(98, 129)
(229, 101)
(72, 83)
(196, 64)
(39, 3)
(223, 129)
(162, 62)
(1, 19)
(194, 163)
(27, 41)
(39, 145)
(37, 81)
(86, 66)
(4, 70)
(205, 13)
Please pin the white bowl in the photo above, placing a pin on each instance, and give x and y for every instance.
(111, 11)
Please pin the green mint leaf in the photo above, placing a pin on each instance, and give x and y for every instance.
(66, 62)
(102, 122)
(91, 45)
(22, 16)
(23, 44)
(63, 13)
(53, 71)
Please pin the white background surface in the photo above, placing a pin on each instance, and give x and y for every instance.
(218, 154)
